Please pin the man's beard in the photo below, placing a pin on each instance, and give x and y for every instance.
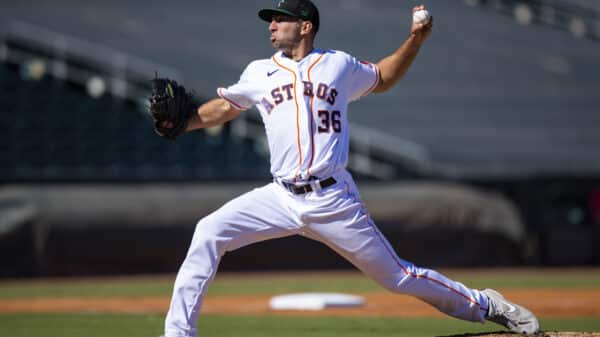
(286, 45)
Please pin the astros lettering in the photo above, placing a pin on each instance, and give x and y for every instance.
(286, 93)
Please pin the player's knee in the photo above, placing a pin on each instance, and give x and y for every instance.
(403, 280)
(391, 282)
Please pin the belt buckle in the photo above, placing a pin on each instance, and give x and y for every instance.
(299, 189)
(314, 185)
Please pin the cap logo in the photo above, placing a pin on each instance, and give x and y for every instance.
(280, 3)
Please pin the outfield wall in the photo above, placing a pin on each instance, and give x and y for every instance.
(107, 229)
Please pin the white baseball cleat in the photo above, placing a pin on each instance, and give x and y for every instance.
(511, 315)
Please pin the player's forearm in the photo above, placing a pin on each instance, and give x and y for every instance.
(212, 113)
(393, 67)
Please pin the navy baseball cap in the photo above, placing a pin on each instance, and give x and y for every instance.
(302, 9)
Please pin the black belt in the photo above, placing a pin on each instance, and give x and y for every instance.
(301, 189)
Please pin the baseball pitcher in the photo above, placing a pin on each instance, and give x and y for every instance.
(302, 94)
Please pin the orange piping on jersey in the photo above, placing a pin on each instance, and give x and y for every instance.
(232, 102)
(312, 132)
(377, 79)
(297, 115)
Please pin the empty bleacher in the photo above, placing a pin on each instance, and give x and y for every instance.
(54, 131)
(487, 97)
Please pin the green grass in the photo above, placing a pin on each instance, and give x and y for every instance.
(104, 325)
(227, 284)
(132, 325)
(87, 288)
(234, 284)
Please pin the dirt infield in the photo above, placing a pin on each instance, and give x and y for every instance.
(545, 303)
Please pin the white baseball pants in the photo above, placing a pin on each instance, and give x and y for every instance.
(334, 216)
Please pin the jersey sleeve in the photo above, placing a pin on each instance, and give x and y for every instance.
(244, 94)
(364, 77)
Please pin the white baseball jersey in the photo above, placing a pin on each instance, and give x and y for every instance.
(304, 108)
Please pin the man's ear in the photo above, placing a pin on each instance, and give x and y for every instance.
(306, 27)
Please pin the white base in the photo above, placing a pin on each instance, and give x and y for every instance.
(315, 301)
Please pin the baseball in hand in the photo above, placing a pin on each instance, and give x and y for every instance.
(421, 16)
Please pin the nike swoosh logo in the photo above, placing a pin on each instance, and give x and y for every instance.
(272, 72)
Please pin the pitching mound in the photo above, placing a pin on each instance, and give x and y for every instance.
(541, 334)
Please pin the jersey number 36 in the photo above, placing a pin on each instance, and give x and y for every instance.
(329, 121)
